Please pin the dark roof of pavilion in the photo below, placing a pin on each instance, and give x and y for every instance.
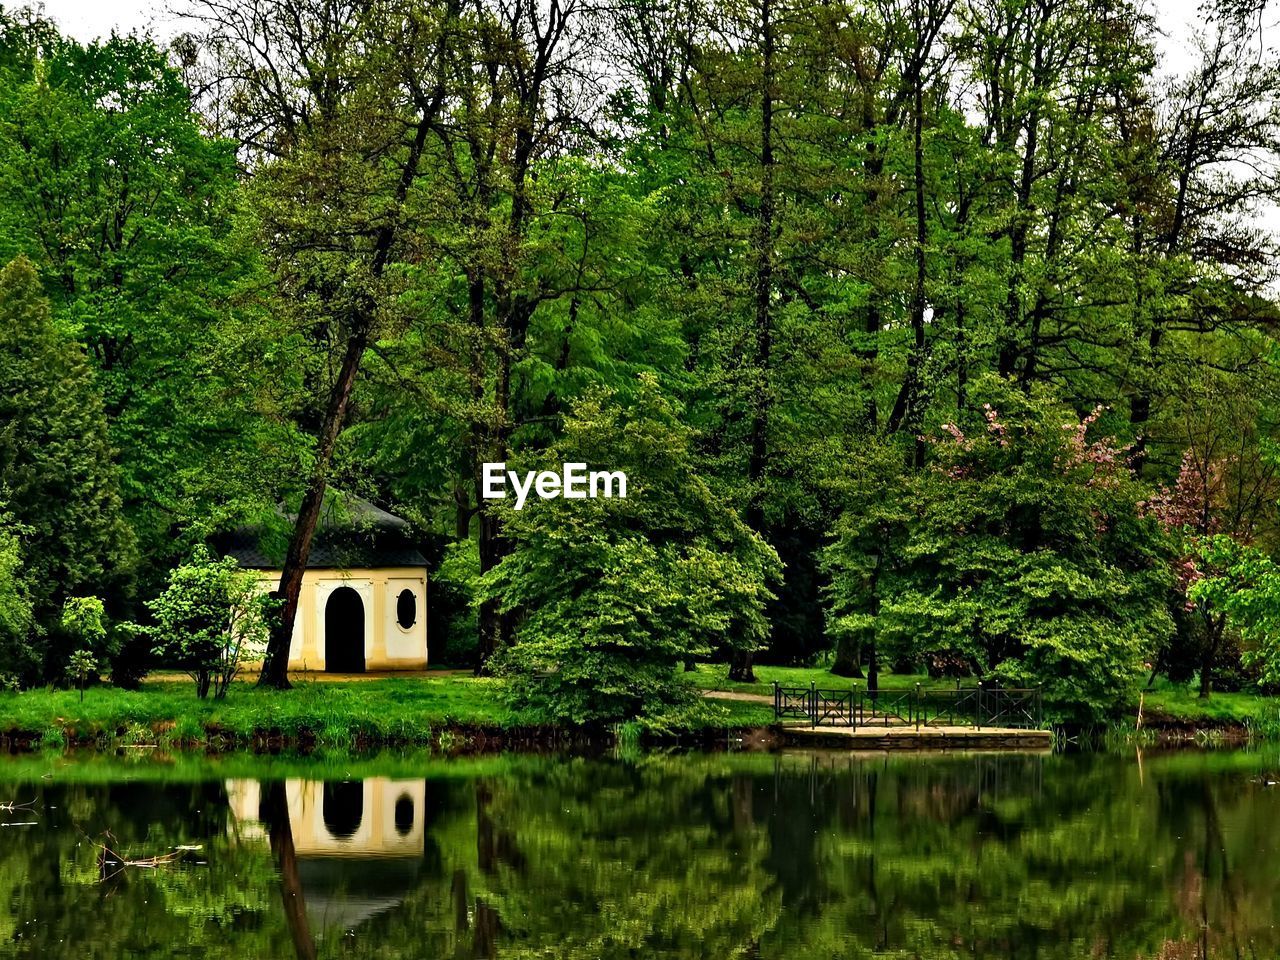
(351, 533)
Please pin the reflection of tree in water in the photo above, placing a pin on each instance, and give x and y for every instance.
(687, 857)
(275, 815)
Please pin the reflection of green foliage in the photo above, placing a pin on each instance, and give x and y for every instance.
(677, 857)
(588, 831)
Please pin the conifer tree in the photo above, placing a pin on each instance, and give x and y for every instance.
(57, 474)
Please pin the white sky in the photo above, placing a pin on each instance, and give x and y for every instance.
(86, 19)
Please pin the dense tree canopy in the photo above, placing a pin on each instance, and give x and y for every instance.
(943, 304)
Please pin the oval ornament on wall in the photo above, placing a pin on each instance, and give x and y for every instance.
(406, 609)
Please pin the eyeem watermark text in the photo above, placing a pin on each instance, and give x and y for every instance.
(572, 482)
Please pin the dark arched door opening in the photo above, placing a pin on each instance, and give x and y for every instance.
(344, 632)
(343, 808)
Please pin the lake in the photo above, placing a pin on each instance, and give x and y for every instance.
(1169, 855)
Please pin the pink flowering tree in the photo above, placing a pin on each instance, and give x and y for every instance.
(1189, 510)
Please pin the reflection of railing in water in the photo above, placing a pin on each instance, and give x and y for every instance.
(848, 781)
(979, 706)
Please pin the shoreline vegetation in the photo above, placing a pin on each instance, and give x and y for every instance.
(876, 368)
(453, 712)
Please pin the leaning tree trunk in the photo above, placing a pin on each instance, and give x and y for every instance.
(275, 665)
(276, 808)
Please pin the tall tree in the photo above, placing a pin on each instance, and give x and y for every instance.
(57, 476)
(511, 121)
(128, 210)
(334, 104)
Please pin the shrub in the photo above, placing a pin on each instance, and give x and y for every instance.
(611, 595)
(210, 619)
(84, 621)
(18, 656)
(82, 666)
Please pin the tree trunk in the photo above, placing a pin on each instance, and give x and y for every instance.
(276, 809)
(740, 669)
(848, 658)
(906, 410)
(1214, 629)
(764, 280)
(494, 626)
(275, 664)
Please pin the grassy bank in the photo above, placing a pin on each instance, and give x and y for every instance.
(1180, 707)
(458, 711)
(442, 711)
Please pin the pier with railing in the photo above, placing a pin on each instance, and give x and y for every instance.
(979, 714)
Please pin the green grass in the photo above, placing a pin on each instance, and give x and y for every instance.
(393, 709)
(716, 677)
(1182, 704)
(440, 710)
(342, 715)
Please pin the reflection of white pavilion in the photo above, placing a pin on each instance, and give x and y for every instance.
(359, 843)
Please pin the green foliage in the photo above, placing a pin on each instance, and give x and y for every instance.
(56, 470)
(790, 262)
(1018, 552)
(611, 594)
(452, 592)
(82, 665)
(1244, 583)
(210, 618)
(128, 210)
(18, 656)
(84, 620)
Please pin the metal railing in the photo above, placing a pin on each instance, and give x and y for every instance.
(834, 708)
(887, 707)
(790, 702)
(982, 705)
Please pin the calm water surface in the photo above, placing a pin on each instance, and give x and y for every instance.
(794, 856)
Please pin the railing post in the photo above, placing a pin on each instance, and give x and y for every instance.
(917, 708)
(1039, 706)
(853, 696)
(977, 710)
(776, 704)
(813, 703)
